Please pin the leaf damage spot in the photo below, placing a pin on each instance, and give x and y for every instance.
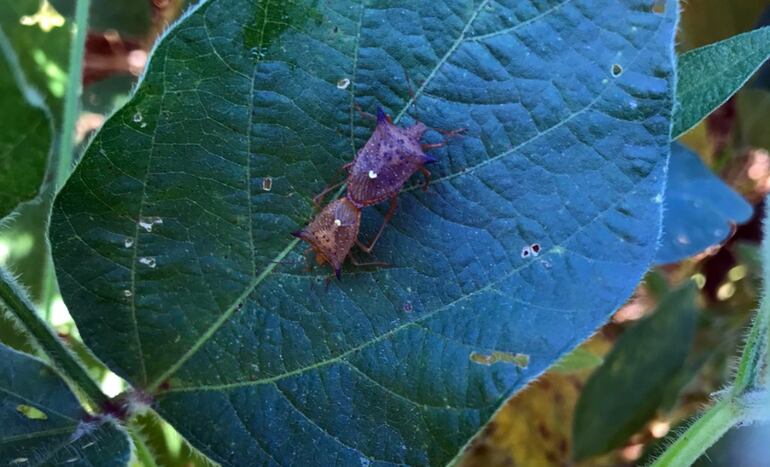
(658, 6)
(520, 360)
(526, 252)
(408, 307)
(32, 413)
(127, 293)
(147, 223)
(137, 117)
(128, 242)
(372, 174)
(267, 183)
(682, 239)
(343, 83)
(148, 261)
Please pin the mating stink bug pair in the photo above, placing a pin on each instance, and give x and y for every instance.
(378, 172)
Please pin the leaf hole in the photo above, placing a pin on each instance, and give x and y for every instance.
(535, 248)
(520, 360)
(617, 70)
(526, 252)
(31, 413)
(267, 183)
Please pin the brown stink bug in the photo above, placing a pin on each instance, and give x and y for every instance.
(333, 232)
(384, 164)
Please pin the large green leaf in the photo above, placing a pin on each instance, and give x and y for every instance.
(25, 133)
(44, 424)
(708, 76)
(626, 390)
(167, 245)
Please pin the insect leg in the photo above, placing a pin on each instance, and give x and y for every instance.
(425, 173)
(388, 216)
(317, 199)
(357, 263)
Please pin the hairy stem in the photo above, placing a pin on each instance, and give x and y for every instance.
(72, 95)
(13, 297)
(751, 379)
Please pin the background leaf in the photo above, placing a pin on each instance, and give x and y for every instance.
(166, 244)
(708, 76)
(627, 389)
(43, 422)
(42, 44)
(700, 209)
(25, 134)
(127, 17)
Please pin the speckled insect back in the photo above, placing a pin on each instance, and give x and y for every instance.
(387, 160)
(333, 232)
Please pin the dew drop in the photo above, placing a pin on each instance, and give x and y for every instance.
(128, 242)
(337, 222)
(682, 239)
(19, 461)
(147, 223)
(343, 83)
(148, 261)
(372, 174)
(633, 104)
(137, 117)
(267, 183)
(143, 124)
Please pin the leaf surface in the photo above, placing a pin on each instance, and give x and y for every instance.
(180, 271)
(43, 422)
(709, 75)
(626, 390)
(25, 133)
(700, 209)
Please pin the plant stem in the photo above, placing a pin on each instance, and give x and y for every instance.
(13, 297)
(72, 95)
(701, 435)
(751, 378)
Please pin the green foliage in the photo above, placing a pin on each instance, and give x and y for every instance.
(43, 422)
(166, 243)
(176, 261)
(700, 208)
(627, 389)
(44, 57)
(25, 133)
(746, 400)
(708, 76)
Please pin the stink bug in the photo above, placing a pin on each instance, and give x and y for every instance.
(332, 233)
(384, 164)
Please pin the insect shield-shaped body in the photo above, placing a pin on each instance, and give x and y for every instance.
(332, 233)
(385, 163)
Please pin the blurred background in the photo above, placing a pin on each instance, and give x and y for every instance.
(570, 410)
